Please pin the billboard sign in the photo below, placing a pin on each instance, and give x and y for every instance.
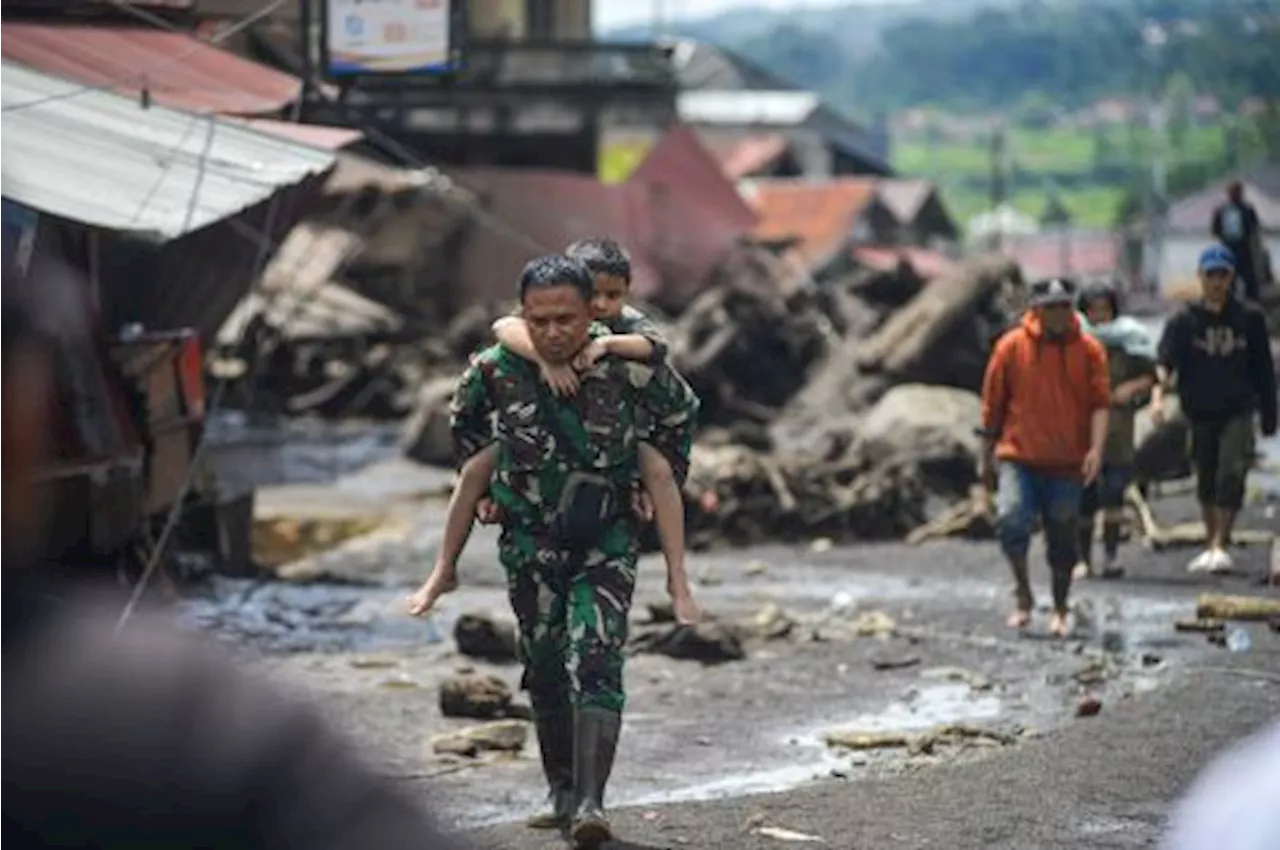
(388, 37)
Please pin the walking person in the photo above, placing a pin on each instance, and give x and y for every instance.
(566, 478)
(120, 739)
(1131, 364)
(1046, 397)
(1236, 225)
(1218, 352)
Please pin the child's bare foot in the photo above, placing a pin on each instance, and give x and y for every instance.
(440, 582)
(1059, 624)
(1019, 619)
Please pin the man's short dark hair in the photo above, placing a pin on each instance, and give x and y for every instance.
(556, 270)
(602, 256)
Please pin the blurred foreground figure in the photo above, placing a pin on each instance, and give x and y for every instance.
(1233, 804)
(141, 739)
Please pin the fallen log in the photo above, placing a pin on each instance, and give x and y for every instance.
(1245, 608)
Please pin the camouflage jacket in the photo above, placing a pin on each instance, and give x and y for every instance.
(633, 321)
(501, 398)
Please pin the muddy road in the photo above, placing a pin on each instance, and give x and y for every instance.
(874, 639)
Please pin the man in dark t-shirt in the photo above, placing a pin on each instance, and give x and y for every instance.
(1235, 224)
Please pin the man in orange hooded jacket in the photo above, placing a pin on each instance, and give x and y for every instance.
(1045, 402)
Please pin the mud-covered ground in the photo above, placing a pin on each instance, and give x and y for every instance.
(698, 732)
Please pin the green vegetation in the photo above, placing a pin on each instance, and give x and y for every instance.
(1038, 65)
(1098, 173)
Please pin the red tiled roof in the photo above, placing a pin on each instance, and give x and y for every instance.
(751, 155)
(177, 69)
(1073, 253)
(820, 215)
(676, 215)
(928, 265)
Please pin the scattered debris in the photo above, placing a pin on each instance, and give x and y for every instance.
(710, 642)
(772, 623)
(873, 624)
(500, 736)
(780, 834)
(280, 540)
(481, 636)
(1203, 625)
(1253, 608)
(479, 697)
(894, 662)
(1088, 706)
(919, 743)
(425, 436)
(975, 681)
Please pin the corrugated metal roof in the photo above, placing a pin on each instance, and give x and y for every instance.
(103, 160)
(819, 215)
(768, 108)
(177, 69)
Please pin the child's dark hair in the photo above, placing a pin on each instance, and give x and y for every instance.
(1098, 291)
(555, 270)
(602, 256)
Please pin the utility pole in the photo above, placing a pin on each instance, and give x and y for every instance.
(305, 18)
(997, 185)
(1159, 182)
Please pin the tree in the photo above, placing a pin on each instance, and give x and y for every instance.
(1180, 100)
(1035, 111)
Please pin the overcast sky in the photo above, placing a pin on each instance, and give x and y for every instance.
(613, 13)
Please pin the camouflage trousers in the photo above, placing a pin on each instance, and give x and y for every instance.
(572, 613)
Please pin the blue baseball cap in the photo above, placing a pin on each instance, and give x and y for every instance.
(1217, 258)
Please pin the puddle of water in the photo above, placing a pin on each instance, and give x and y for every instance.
(809, 758)
(249, 452)
(759, 782)
(933, 705)
(1133, 623)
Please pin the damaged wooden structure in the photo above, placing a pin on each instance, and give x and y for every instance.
(156, 250)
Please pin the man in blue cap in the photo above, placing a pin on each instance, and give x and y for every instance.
(1218, 350)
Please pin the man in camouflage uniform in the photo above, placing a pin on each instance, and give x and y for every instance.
(571, 606)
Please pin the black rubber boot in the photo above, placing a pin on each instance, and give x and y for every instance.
(555, 743)
(595, 743)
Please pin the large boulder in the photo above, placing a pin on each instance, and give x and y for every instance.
(425, 438)
(934, 426)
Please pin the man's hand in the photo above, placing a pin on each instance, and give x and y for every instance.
(587, 357)
(562, 379)
(642, 505)
(443, 579)
(1092, 466)
(487, 511)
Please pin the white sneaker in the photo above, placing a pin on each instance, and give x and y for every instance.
(1202, 563)
(1222, 562)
